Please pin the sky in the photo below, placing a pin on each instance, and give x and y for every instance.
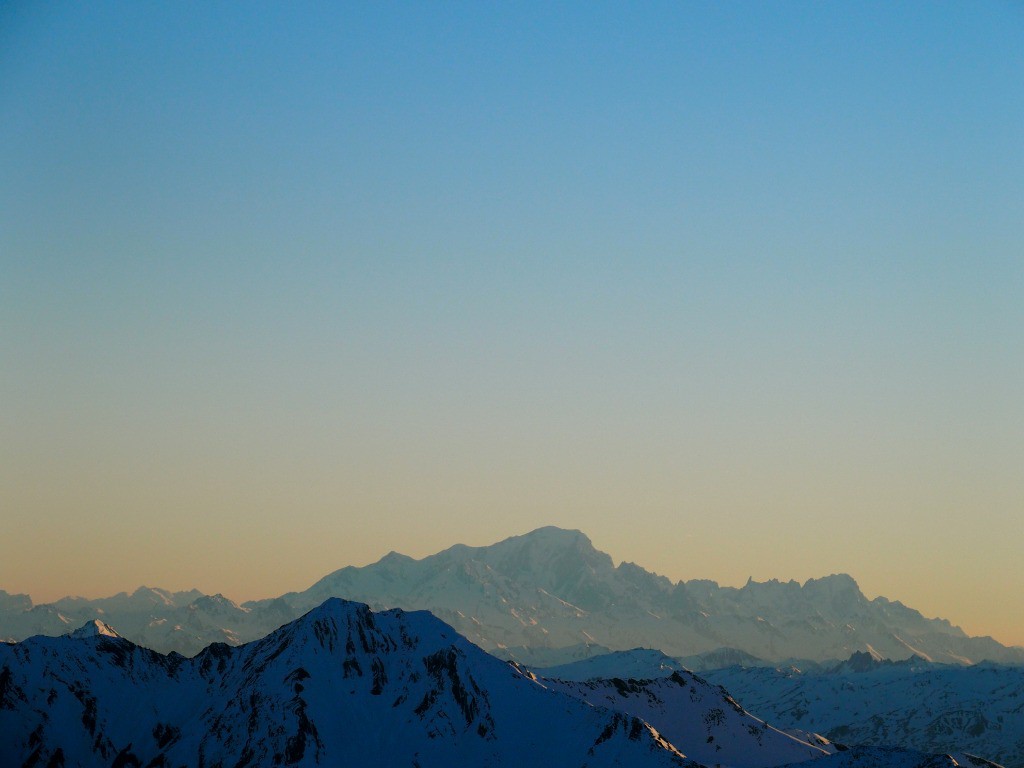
(737, 289)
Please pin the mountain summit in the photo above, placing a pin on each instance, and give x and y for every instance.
(94, 628)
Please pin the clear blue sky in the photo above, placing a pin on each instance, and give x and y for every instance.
(736, 288)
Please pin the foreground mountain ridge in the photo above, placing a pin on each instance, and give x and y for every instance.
(339, 686)
(344, 685)
(547, 589)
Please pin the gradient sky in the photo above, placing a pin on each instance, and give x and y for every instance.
(735, 288)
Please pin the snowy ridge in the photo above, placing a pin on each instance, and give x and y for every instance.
(685, 709)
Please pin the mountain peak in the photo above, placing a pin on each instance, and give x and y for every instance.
(860, 661)
(394, 558)
(552, 547)
(14, 602)
(836, 582)
(555, 535)
(94, 628)
(334, 607)
(214, 604)
(539, 547)
(349, 612)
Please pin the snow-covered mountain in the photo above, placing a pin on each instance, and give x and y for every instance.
(343, 685)
(914, 703)
(340, 686)
(547, 590)
(551, 588)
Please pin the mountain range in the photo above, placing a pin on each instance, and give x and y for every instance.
(343, 685)
(546, 592)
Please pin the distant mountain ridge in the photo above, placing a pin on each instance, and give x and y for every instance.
(644, 663)
(547, 589)
(636, 664)
(552, 588)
